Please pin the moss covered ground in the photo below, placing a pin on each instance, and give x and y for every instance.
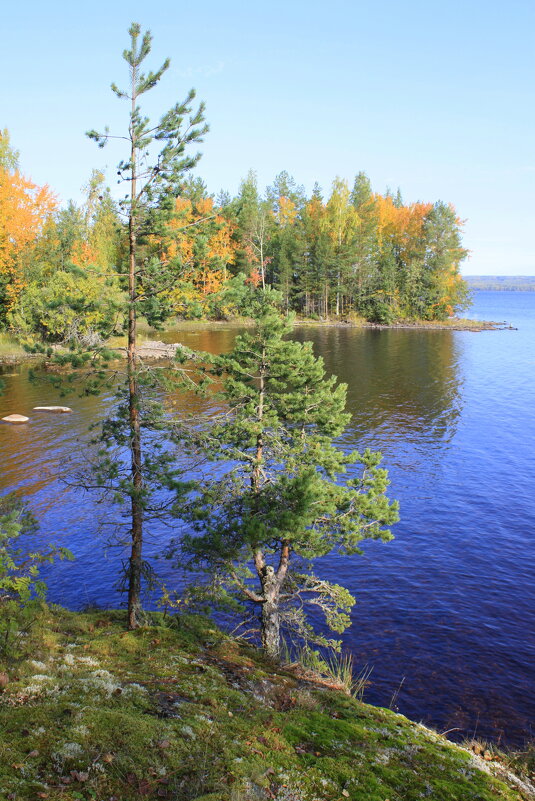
(183, 712)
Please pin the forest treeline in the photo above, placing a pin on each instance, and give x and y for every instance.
(349, 253)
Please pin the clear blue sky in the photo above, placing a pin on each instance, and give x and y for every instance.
(437, 98)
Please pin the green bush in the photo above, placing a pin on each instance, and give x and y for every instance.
(69, 306)
(22, 592)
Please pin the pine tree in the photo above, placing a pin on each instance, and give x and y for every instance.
(153, 174)
(362, 190)
(443, 289)
(315, 285)
(253, 230)
(342, 223)
(284, 494)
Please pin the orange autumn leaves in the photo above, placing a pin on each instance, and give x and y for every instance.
(199, 239)
(340, 220)
(83, 254)
(402, 225)
(25, 209)
(286, 212)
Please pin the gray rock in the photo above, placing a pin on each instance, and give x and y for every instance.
(57, 409)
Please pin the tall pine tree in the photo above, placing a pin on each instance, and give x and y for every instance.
(154, 169)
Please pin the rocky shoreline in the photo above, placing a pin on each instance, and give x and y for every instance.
(178, 709)
(455, 324)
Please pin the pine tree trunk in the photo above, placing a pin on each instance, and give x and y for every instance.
(270, 621)
(270, 629)
(135, 567)
(270, 582)
(134, 579)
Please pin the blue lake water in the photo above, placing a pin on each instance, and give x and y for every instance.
(445, 612)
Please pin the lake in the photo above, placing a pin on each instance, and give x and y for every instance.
(444, 613)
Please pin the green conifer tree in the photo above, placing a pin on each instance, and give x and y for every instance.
(154, 170)
(362, 190)
(285, 494)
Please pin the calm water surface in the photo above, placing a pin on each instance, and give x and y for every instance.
(445, 612)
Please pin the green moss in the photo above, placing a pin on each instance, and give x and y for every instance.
(185, 713)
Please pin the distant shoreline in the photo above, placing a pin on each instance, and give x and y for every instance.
(500, 283)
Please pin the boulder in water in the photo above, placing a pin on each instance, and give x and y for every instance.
(15, 418)
(57, 409)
